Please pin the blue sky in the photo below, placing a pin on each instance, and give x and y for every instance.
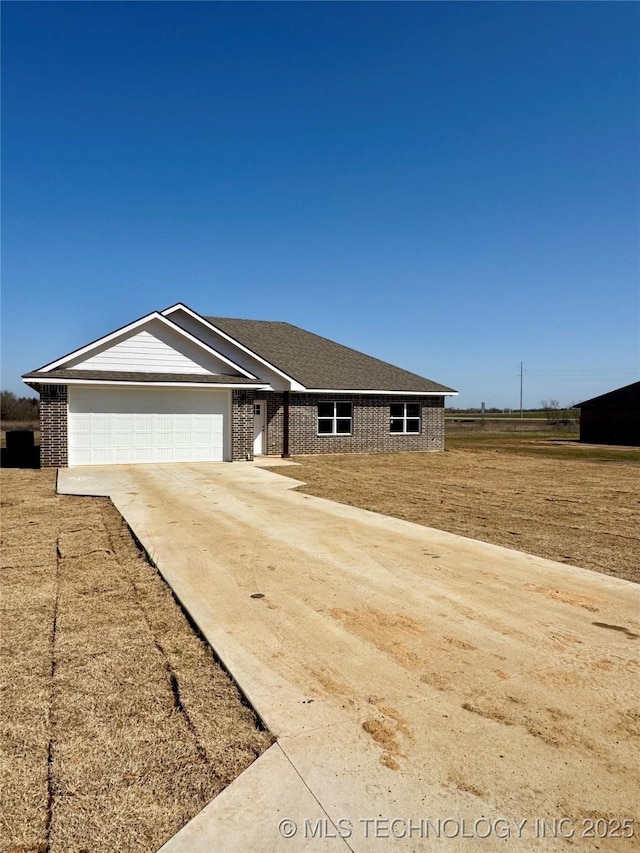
(452, 187)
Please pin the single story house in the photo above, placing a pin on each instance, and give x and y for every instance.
(612, 418)
(175, 386)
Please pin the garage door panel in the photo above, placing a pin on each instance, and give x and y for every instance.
(97, 439)
(83, 441)
(125, 426)
(119, 456)
(97, 422)
(83, 457)
(143, 439)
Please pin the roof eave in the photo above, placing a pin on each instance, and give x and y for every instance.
(48, 379)
(449, 392)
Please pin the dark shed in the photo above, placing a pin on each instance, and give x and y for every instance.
(612, 418)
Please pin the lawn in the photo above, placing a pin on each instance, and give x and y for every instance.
(118, 725)
(552, 497)
(553, 443)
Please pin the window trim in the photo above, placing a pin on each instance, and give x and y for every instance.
(404, 418)
(334, 418)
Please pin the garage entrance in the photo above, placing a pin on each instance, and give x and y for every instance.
(109, 425)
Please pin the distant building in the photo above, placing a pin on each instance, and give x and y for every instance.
(612, 418)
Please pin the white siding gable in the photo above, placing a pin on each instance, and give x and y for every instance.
(154, 349)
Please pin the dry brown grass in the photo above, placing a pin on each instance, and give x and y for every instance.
(583, 511)
(117, 724)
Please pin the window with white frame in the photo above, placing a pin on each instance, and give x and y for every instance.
(335, 418)
(404, 417)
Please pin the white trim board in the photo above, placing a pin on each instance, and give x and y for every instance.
(138, 383)
(362, 392)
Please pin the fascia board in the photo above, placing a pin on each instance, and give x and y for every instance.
(295, 385)
(374, 391)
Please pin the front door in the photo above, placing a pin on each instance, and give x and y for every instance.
(259, 427)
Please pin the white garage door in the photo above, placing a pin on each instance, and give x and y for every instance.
(127, 425)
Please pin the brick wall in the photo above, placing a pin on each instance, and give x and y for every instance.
(53, 426)
(242, 425)
(275, 421)
(370, 425)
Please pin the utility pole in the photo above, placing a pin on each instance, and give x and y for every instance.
(521, 371)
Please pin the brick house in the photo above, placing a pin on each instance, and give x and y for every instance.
(175, 386)
(612, 418)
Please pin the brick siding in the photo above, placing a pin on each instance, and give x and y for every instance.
(370, 424)
(242, 425)
(53, 426)
(275, 422)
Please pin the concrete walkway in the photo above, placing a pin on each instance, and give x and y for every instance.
(427, 691)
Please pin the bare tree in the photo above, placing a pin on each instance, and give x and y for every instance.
(552, 408)
(14, 408)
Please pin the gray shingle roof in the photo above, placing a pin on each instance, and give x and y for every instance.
(123, 376)
(317, 362)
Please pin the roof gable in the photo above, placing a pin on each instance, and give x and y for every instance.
(152, 349)
(152, 344)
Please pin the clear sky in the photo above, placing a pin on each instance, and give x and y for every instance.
(452, 187)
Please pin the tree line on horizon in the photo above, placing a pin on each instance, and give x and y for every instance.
(15, 408)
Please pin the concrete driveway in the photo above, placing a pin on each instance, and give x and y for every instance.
(427, 691)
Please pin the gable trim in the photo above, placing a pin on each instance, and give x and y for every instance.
(154, 315)
(295, 385)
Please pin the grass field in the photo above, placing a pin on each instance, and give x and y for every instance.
(118, 725)
(556, 444)
(552, 497)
